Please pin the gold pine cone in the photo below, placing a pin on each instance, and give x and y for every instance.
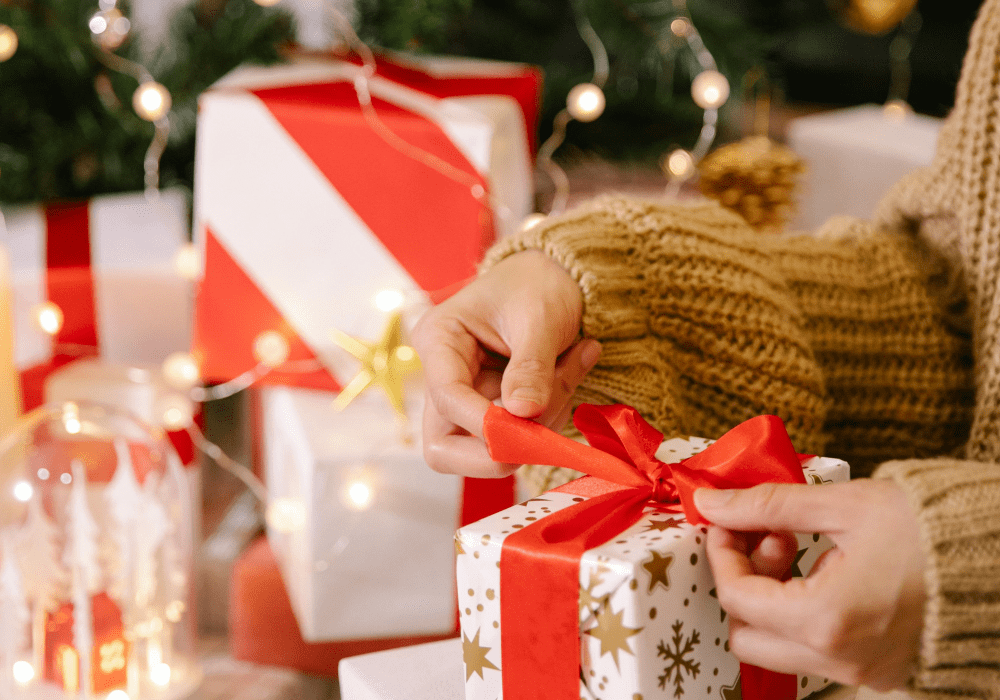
(756, 178)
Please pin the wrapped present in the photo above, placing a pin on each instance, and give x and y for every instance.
(601, 588)
(308, 206)
(107, 264)
(361, 527)
(853, 156)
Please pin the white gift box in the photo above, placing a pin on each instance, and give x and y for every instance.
(361, 527)
(650, 623)
(853, 156)
(307, 209)
(422, 672)
(124, 246)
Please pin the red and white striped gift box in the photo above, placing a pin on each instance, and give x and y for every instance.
(306, 212)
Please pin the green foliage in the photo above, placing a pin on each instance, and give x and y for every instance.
(423, 25)
(67, 128)
(649, 105)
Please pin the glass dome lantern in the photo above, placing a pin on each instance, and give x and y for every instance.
(96, 548)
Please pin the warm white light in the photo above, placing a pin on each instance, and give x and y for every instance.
(267, 3)
(180, 369)
(117, 695)
(8, 42)
(187, 261)
(710, 89)
(71, 420)
(65, 478)
(23, 491)
(286, 515)
(359, 494)
(176, 411)
(389, 299)
(160, 674)
(98, 23)
(151, 101)
(270, 348)
(23, 671)
(43, 474)
(174, 611)
(585, 102)
(49, 317)
(680, 27)
(680, 164)
(532, 220)
(405, 353)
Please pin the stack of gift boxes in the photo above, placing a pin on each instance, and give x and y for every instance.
(328, 226)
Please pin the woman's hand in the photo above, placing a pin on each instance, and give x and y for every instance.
(857, 618)
(508, 336)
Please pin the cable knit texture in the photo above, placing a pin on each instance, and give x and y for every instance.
(873, 341)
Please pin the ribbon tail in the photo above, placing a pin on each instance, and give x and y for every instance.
(758, 683)
(522, 441)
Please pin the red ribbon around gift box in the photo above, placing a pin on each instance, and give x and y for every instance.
(540, 564)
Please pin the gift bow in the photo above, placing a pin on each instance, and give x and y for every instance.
(540, 564)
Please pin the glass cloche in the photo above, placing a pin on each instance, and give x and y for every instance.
(95, 559)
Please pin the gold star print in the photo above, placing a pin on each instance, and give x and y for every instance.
(661, 525)
(796, 571)
(385, 363)
(612, 632)
(657, 566)
(475, 656)
(818, 480)
(587, 598)
(734, 691)
(458, 546)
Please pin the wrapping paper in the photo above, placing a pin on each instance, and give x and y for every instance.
(384, 568)
(306, 210)
(650, 624)
(108, 264)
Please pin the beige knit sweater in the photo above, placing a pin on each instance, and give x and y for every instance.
(877, 342)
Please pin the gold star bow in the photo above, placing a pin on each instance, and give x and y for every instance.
(385, 363)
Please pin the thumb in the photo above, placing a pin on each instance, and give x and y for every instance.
(776, 508)
(526, 387)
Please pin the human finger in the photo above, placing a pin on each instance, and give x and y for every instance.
(774, 652)
(759, 600)
(570, 371)
(450, 450)
(527, 386)
(774, 555)
(779, 507)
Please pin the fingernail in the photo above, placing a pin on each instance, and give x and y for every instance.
(526, 393)
(591, 354)
(712, 499)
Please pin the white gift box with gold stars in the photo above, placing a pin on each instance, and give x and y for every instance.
(650, 624)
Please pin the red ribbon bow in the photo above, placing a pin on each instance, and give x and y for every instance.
(540, 564)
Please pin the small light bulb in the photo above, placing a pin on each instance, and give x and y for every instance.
(585, 102)
(680, 27)
(118, 695)
(160, 674)
(680, 164)
(187, 261)
(359, 495)
(24, 672)
(267, 3)
(174, 611)
(270, 348)
(405, 353)
(710, 89)
(176, 412)
(180, 369)
(286, 515)
(98, 23)
(23, 491)
(151, 101)
(65, 478)
(8, 42)
(43, 474)
(532, 220)
(389, 299)
(49, 317)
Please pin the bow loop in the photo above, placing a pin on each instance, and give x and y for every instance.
(620, 430)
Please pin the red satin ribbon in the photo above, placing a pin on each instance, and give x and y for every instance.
(540, 564)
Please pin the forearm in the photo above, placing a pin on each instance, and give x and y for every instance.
(958, 506)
